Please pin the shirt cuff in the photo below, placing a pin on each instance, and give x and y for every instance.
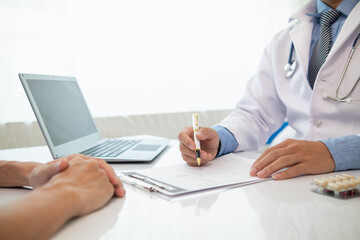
(345, 151)
(228, 142)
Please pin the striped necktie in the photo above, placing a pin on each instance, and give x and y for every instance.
(323, 45)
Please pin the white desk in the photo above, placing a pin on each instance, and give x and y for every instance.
(269, 210)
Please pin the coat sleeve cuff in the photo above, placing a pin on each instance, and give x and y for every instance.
(345, 151)
(228, 142)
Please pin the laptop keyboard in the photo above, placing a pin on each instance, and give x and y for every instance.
(110, 148)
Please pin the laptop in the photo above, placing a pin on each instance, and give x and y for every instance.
(68, 126)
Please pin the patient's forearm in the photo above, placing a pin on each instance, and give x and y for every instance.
(38, 215)
(14, 174)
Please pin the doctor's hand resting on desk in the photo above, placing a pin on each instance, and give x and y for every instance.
(64, 188)
(317, 93)
(301, 157)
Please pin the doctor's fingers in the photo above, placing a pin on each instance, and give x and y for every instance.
(186, 150)
(271, 156)
(190, 154)
(186, 137)
(281, 145)
(193, 162)
(287, 161)
(294, 171)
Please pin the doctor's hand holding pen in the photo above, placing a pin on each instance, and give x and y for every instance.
(209, 142)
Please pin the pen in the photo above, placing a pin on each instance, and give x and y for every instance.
(195, 118)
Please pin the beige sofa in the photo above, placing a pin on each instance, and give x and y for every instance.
(26, 134)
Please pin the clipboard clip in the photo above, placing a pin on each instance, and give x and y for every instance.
(137, 180)
(149, 181)
(150, 189)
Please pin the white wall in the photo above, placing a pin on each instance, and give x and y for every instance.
(138, 56)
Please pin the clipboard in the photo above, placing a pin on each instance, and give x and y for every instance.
(231, 170)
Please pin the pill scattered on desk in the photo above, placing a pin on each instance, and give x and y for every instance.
(340, 186)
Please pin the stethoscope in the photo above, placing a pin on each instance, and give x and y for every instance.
(291, 65)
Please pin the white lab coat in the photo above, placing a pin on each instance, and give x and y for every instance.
(270, 97)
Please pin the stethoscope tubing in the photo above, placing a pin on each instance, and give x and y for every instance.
(291, 53)
(290, 70)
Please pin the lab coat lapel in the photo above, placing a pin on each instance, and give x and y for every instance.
(351, 23)
(300, 34)
(300, 38)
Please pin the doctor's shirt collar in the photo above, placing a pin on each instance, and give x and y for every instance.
(345, 7)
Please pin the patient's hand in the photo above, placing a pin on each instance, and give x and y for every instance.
(86, 183)
(42, 173)
(66, 188)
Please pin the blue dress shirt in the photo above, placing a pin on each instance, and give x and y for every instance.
(345, 8)
(344, 150)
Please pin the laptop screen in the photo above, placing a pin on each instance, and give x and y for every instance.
(63, 109)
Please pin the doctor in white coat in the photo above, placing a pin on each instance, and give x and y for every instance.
(326, 120)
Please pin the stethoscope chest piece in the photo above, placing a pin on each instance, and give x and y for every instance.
(290, 68)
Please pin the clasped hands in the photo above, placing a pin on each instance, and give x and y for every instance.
(43, 173)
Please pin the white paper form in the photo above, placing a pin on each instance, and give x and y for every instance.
(227, 170)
